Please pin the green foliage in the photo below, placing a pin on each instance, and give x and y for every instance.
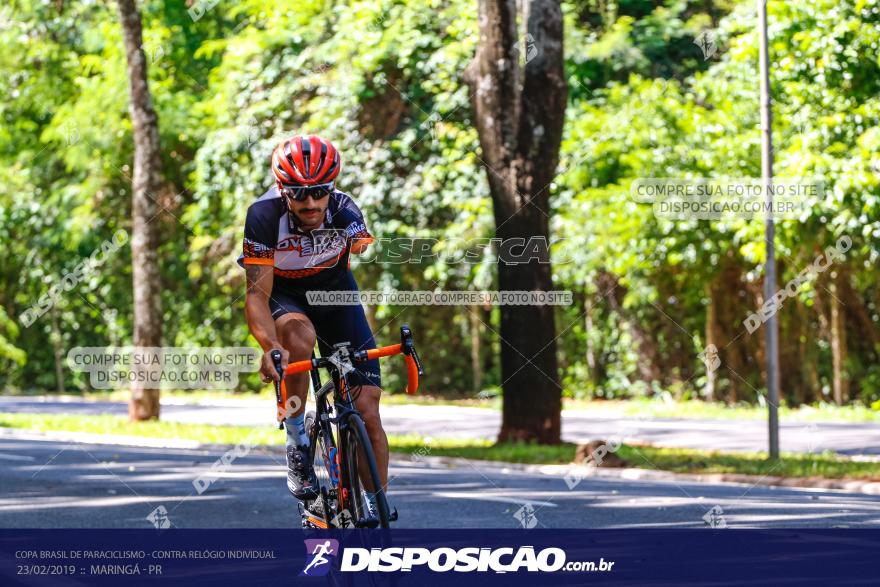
(384, 81)
(706, 125)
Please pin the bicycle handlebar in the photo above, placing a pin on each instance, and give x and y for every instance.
(299, 367)
(405, 347)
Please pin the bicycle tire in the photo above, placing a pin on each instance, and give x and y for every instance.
(356, 436)
(322, 471)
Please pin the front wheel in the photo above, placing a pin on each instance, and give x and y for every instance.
(324, 507)
(356, 446)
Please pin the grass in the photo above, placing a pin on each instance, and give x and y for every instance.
(119, 425)
(485, 450)
(668, 459)
(681, 460)
(669, 408)
(678, 460)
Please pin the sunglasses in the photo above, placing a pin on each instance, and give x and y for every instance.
(301, 193)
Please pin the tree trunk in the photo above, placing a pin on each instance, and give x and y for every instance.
(840, 385)
(807, 356)
(519, 112)
(741, 356)
(712, 339)
(865, 326)
(58, 350)
(489, 356)
(645, 343)
(476, 367)
(592, 363)
(144, 402)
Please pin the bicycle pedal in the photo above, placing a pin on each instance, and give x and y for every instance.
(309, 520)
(316, 506)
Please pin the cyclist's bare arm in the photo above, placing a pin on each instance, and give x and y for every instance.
(259, 317)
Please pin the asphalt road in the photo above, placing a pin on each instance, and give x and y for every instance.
(577, 426)
(48, 484)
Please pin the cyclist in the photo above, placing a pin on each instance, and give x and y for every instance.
(297, 239)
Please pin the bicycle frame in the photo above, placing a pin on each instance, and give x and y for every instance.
(322, 427)
(326, 416)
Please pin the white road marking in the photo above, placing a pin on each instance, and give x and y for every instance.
(16, 458)
(484, 497)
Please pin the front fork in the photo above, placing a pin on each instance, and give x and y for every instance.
(333, 461)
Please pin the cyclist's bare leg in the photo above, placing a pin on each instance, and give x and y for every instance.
(296, 333)
(367, 404)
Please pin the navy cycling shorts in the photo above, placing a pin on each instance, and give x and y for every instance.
(334, 324)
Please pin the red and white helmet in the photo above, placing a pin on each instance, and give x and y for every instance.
(305, 161)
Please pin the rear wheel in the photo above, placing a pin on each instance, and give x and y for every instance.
(357, 446)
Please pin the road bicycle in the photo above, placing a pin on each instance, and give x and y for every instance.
(338, 438)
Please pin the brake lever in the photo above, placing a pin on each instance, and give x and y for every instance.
(409, 347)
(276, 361)
(415, 356)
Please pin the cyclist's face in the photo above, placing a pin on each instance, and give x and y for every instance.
(310, 212)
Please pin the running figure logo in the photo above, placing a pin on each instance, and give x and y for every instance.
(319, 552)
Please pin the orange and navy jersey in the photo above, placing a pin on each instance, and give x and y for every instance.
(302, 260)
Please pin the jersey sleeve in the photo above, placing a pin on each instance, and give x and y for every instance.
(260, 237)
(348, 217)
